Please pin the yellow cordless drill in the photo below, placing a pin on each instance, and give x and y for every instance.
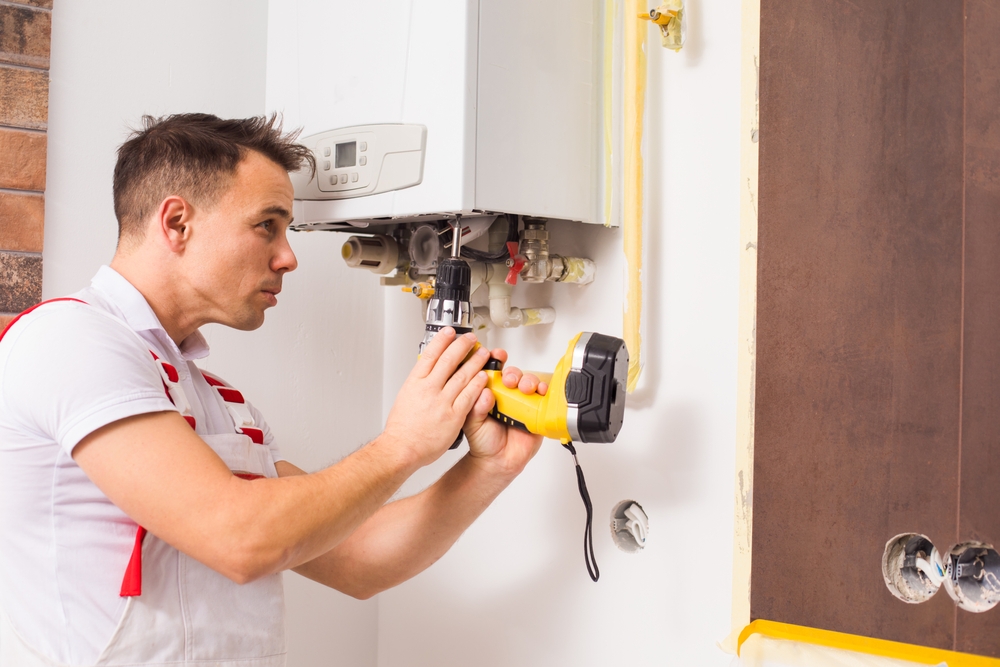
(585, 401)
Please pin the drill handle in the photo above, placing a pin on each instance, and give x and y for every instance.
(492, 364)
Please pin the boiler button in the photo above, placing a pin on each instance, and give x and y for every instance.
(354, 178)
(326, 151)
(333, 179)
(362, 160)
(363, 146)
(343, 178)
(326, 165)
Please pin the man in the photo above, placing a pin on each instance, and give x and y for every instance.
(146, 512)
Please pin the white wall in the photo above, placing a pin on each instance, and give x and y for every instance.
(112, 62)
(514, 590)
(315, 367)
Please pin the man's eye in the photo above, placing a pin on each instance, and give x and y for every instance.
(266, 225)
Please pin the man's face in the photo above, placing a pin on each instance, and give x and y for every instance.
(238, 250)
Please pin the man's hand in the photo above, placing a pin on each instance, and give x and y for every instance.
(437, 396)
(408, 535)
(504, 448)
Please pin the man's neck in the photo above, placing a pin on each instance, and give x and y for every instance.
(160, 292)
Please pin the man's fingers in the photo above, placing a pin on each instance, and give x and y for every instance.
(433, 351)
(479, 413)
(511, 377)
(480, 409)
(526, 382)
(461, 378)
(472, 392)
(499, 354)
(529, 384)
(451, 358)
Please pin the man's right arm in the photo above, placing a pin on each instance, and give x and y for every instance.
(160, 473)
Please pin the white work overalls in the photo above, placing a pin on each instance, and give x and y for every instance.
(180, 612)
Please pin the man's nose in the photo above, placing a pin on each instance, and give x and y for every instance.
(284, 259)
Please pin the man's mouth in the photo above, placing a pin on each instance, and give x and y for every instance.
(272, 295)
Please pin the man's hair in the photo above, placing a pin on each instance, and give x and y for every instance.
(193, 155)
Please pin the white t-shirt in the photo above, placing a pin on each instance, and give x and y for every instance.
(66, 370)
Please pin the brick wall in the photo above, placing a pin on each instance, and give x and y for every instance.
(25, 26)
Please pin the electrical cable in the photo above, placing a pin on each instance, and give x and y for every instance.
(499, 256)
(588, 534)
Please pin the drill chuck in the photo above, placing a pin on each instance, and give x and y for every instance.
(449, 307)
(454, 278)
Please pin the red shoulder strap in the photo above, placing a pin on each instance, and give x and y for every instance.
(212, 380)
(132, 582)
(37, 305)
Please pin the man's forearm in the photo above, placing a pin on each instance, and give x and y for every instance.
(407, 536)
(242, 529)
(298, 518)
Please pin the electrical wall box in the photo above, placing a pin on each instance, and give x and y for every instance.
(421, 109)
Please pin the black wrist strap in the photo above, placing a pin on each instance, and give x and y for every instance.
(588, 533)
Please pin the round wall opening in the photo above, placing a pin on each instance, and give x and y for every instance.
(973, 576)
(629, 526)
(912, 568)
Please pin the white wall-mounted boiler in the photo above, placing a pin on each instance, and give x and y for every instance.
(462, 107)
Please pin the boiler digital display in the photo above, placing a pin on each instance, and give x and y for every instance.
(347, 154)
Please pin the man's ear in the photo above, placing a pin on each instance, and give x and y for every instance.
(173, 222)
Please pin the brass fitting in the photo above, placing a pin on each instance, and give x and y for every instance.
(421, 290)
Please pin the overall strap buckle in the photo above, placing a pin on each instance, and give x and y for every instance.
(172, 385)
(243, 420)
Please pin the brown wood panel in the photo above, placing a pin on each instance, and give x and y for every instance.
(22, 160)
(979, 518)
(24, 35)
(24, 98)
(858, 320)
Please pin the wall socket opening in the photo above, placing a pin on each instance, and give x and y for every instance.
(973, 576)
(629, 526)
(912, 568)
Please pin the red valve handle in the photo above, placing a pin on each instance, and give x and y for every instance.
(516, 266)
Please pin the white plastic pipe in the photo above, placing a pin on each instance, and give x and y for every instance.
(507, 317)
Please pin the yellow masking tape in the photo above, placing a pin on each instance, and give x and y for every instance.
(609, 41)
(635, 99)
(880, 647)
(746, 359)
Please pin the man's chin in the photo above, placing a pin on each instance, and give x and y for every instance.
(250, 322)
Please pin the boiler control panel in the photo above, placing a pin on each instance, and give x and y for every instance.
(363, 160)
